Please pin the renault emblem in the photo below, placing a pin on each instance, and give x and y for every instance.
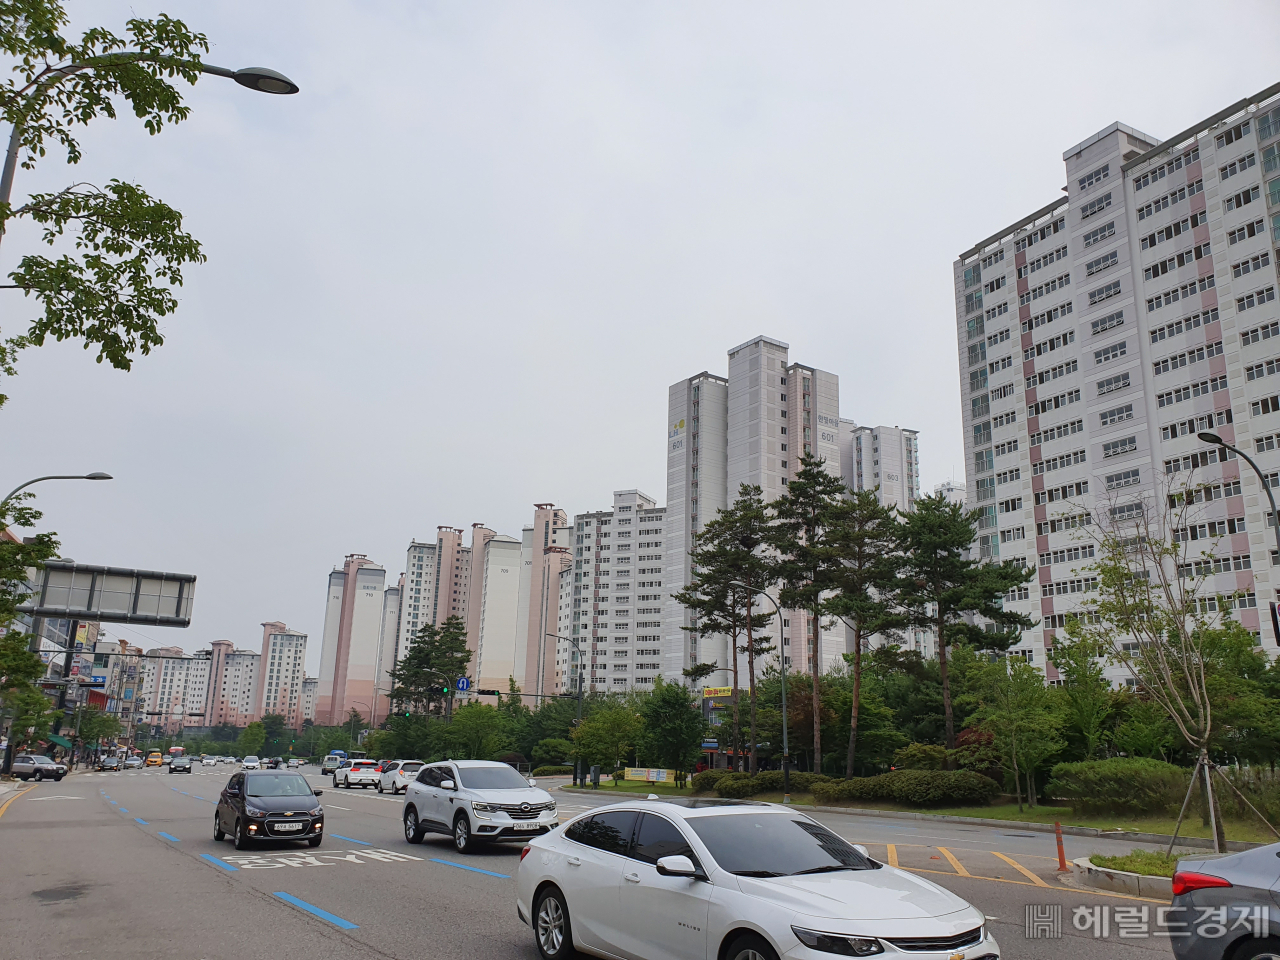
(524, 808)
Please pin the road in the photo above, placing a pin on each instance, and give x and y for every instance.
(118, 865)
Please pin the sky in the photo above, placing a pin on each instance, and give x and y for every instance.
(455, 275)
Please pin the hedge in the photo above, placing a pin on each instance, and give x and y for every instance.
(1127, 785)
(553, 771)
(707, 780)
(914, 788)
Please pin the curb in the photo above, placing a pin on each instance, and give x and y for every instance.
(1071, 831)
(1121, 881)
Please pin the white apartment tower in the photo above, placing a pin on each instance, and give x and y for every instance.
(278, 687)
(612, 602)
(1143, 303)
(499, 587)
(884, 459)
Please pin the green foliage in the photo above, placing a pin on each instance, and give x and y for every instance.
(740, 785)
(1017, 711)
(426, 674)
(1087, 699)
(913, 788)
(671, 728)
(95, 724)
(706, 780)
(921, 756)
(476, 732)
(1123, 785)
(1149, 863)
(552, 771)
(553, 750)
(1145, 731)
(607, 736)
(251, 740)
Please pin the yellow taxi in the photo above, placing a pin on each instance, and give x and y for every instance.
(153, 759)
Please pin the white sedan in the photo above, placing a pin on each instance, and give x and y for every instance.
(209, 762)
(398, 774)
(685, 879)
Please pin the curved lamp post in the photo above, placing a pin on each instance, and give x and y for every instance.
(1215, 439)
(75, 476)
(578, 776)
(782, 657)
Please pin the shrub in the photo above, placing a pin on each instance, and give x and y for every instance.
(859, 788)
(739, 785)
(552, 771)
(921, 756)
(707, 780)
(913, 788)
(736, 787)
(1125, 785)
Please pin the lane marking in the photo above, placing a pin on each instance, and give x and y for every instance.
(34, 799)
(463, 866)
(114, 802)
(121, 809)
(316, 911)
(892, 853)
(220, 863)
(168, 836)
(336, 807)
(138, 819)
(350, 840)
(1021, 869)
(5, 806)
(956, 864)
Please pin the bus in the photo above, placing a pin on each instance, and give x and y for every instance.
(177, 751)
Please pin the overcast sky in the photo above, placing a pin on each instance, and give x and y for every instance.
(456, 274)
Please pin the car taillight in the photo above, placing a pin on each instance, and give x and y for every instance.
(1186, 882)
(525, 852)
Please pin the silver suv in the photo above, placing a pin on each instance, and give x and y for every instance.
(476, 801)
(29, 766)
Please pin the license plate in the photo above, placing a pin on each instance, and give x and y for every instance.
(525, 826)
(286, 827)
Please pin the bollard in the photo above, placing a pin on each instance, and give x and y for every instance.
(1062, 857)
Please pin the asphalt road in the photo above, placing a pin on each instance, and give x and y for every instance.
(125, 865)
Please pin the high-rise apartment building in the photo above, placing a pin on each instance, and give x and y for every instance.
(438, 579)
(278, 687)
(611, 599)
(545, 551)
(309, 685)
(952, 491)
(498, 591)
(174, 685)
(350, 649)
(233, 683)
(883, 459)
(389, 641)
(1144, 306)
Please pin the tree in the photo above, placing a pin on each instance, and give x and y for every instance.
(130, 246)
(865, 537)
(723, 557)
(436, 657)
(95, 725)
(608, 735)
(478, 730)
(251, 739)
(942, 586)
(697, 672)
(273, 732)
(809, 561)
(1086, 694)
(1016, 710)
(553, 750)
(1145, 731)
(673, 728)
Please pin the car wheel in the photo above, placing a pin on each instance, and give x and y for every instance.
(380, 786)
(218, 833)
(57, 779)
(750, 947)
(314, 841)
(462, 834)
(551, 927)
(1264, 949)
(39, 776)
(241, 841)
(413, 831)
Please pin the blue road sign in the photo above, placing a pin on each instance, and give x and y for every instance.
(464, 684)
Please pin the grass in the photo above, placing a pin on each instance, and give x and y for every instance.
(1145, 862)
(636, 786)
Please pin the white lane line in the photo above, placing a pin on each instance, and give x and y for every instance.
(336, 807)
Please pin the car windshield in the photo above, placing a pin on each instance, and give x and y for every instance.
(775, 845)
(412, 766)
(278, 785)
(247, 759)
(492, 778)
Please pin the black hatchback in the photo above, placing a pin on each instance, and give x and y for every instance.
(269, 805)
(180, 765)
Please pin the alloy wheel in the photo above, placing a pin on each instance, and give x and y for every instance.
(461, 834)
(550, 926)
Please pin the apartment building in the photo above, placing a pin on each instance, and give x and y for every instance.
(233, 682)
(174, 689)
(309, 685)
(438, 579)
(545, 552)
(611, 600)
(1144, 305)
(278, 687)
(952, 491)
(883, 459)
(499, 601)
(351, 647)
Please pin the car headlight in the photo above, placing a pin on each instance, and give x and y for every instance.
(482, 807)
(550, 808)
(316, 812)
(254, 811)
(838, 943)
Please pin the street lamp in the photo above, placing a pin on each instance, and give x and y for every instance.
(782, 656)
(582, 681)
(353, 719)
(74, 476)
(1214, 438)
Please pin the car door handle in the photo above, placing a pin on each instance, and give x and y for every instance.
(574, 862)
(631, 877)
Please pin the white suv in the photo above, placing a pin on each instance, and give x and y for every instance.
(356, 773)
(398, 774)
(251, 763)
(474, 801)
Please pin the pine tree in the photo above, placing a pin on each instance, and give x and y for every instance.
(436, 657)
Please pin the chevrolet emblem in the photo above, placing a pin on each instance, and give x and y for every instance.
(289, 813)
(956, 956)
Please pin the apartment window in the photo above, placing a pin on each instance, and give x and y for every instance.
(1116, 415)
(1062, 460)
(1100, 234)
(1174, 294)
(1011, 506)
(981, 407)
(1008, 476)
(1159, 173)
(1007, 447)
(978, 380)
(1109, 322)
(1012, 534)
(1066, 492)
(1040, 319)
(1104, 293)
(1044, 289)
(1005, 419)
(1191, 391)
(1053, 373)
(1042, 234)
(1236, 133)
(992, 259)
(1126, 511)
(1097, 176)
(983, 461)
(1264, 332)
(993, 285)
(1183, 359)
(1175, 229)
(1257, 228)
(1118, 448)
(995, 366)
(972, 276)
(1185, 325)
(1271, 158)
(1053, 403)
(1126, 478)
(973, 301)
(1269, 124)
(1095, 206)
(1169, 199)
(1237, 166)
(1255, 299)
(1112, 384)
(1057, 432)
(1264, 406)
(1246, 196)
(1067, 555)
(988, 546)
(1041, 262)
(1109, 353)
(999, 310)
(986, 488)
(1157, 270)
(1000, 336)
(1101, 263)
(982, 433)
(1257, 371)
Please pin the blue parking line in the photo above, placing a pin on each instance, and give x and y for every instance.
(316, 911)
(114, 802)
(463, 866)
(219, 863)
(139, 819)
(121, 809)
(351, 840)
(168, 836)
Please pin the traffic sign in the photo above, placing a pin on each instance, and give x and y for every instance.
(464, 684)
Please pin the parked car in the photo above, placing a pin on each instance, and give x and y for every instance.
(476, 801)
(109, 763)
(29, 766)
(1221, 906)
(756, 880)
(396, 775)
(252, 763)
(133, 763)
(265, 804)
(356, 773)
(180, 765)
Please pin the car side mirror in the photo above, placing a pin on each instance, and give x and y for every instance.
(678, 866)
(448, 785)
(318, 793)
(533, 782)
(862, 850)
(233, 791)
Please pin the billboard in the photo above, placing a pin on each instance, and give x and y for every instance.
(77, 591)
